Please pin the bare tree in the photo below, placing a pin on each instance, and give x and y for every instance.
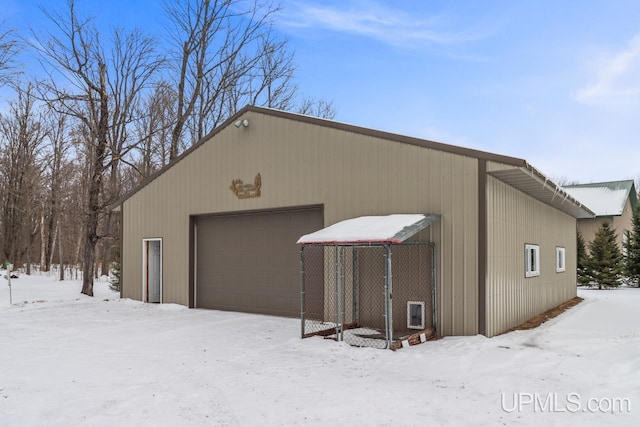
(99, 91)
(21, 136)
(118, 125)
(273, 88)
(9, 48)
(77, 51)
(57, 165)
(133, 64)
(317, 107)
(225, 56)
(154, 129)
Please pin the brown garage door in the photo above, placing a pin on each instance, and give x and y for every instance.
(250, 262)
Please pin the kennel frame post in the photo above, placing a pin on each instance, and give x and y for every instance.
(434, 287)
(340, 293)
(302, 291)
(388, 296)
(355, 272)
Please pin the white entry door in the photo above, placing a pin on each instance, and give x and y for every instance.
(152, 270)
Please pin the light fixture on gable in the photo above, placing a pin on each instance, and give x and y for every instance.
(241, 122)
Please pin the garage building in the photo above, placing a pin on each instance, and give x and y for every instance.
(217, 228)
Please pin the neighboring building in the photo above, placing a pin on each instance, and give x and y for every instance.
(217, 228)
(612, 202)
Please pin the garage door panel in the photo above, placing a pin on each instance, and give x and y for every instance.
(250, 262)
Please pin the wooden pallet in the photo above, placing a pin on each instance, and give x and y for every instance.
(414, 339)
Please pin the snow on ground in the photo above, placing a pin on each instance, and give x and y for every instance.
(70, 360)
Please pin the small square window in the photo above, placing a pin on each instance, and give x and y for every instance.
(531, 260)
(560, 259)
(415, 314)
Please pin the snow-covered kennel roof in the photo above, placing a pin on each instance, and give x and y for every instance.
(394, 228)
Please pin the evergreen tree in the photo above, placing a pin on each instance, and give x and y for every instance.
(115, 272)
(632, 250)
(605, 261)
(584, 276)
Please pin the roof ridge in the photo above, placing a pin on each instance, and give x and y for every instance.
(599, 184)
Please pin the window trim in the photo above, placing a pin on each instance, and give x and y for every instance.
(561, 267)
(529, 270)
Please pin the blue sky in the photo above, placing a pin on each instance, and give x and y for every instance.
(554, 82)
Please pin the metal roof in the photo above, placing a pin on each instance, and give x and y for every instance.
(532, 182)
(605, 198)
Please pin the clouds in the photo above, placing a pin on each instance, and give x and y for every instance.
(604, 141)
(504, 77)
(617, 79)
(390, 25)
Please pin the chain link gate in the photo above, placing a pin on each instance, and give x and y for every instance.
(363, 294)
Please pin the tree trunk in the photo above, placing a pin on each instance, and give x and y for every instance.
(28, 270)
(60, 257)
(53, 236)
(89, 258)
(95, 186)
(31, 238)
(91, 226)
(76, 259)
(9, 230)
(90, 236)
(50, 244)
(43, 255)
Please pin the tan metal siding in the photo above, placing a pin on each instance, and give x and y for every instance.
(621, 223)
(589, 226)
(624, 222)
(515, 219)
(306, 164)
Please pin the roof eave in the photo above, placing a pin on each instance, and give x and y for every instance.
(530, 181)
